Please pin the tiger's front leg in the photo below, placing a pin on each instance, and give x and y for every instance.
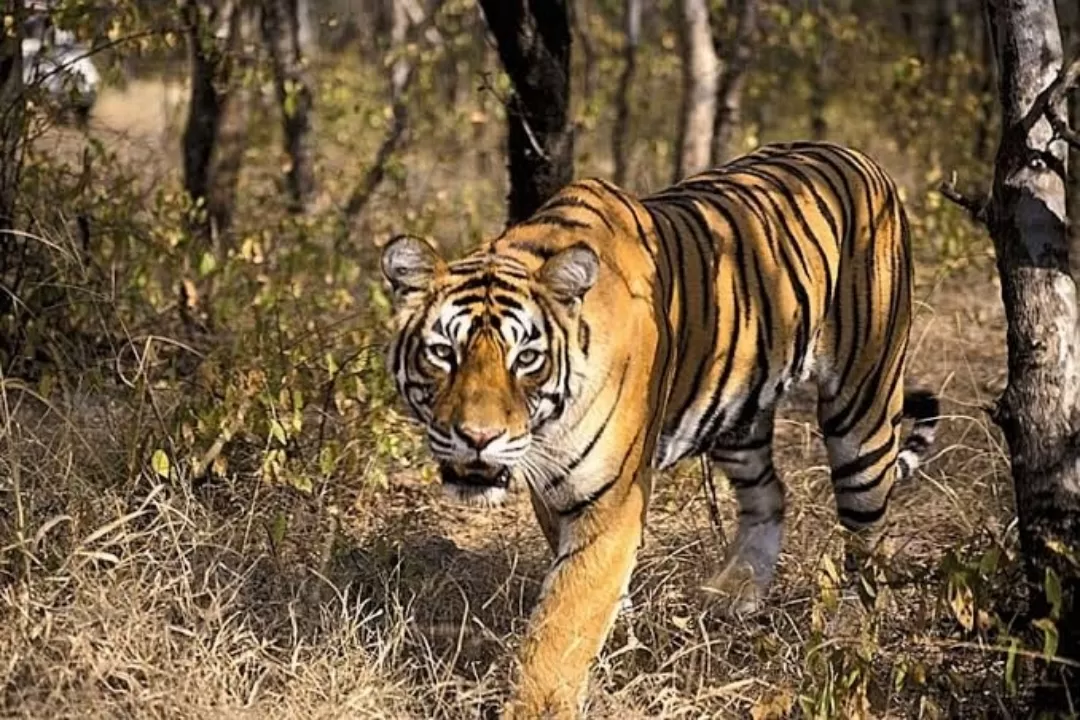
(579, 602)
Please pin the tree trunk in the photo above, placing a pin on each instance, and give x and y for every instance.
(1038, 411)
(987, 101)
(632, 29)
(700, 73)
(281, 30)
(579, 15)
(533, 38)
(226, 162)
(943, 40)
(12, 114)
(12, 125)
(211, 70)
(736, 66)
(819, 79)
(1069, 13)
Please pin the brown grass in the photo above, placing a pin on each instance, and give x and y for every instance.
(141, 598)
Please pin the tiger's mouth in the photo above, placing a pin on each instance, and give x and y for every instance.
(476, 476)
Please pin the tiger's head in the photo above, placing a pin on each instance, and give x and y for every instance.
(482, 354)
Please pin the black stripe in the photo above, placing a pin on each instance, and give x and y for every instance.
(600, 431)
(861, 517)
(563, 223)
(863, 462)
(568, 201)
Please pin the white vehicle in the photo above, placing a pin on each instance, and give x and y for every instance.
(61, 67)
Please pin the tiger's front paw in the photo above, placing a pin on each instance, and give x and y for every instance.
(736, 590)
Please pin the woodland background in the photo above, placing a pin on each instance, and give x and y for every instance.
(211, 504)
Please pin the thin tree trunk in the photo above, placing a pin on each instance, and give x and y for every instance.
(632, 29)
(533, 38)
(227, 161)
(943, 40)
(12, 113)
(700, 73)
(1069, 12)
(401, 77)
(12, 125)
(281, 30)
(578, 19)
(736, 66)
(819, 79)
(1039, 412)
(987, 101)
(211, 69)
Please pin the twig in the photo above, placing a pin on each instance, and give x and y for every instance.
(975, 205)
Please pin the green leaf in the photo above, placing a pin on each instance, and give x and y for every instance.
(1050, 636)
(277, 431)
(207, 264)
(1052, 584)
(1010, 666)
(278, 528)
(159, 461)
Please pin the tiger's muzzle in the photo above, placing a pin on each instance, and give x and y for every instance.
(480, 476)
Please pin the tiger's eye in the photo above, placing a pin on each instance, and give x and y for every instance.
(442, 351)
(526, 358)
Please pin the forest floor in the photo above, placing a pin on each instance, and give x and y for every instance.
(396, 603)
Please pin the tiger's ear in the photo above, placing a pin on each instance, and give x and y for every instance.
(571, 273)
(409, 263)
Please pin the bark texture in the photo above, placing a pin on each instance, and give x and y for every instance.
(736, 65)
(1038, 411)
(281, 30)
(619, 134)
(701, 69)
(533, 38)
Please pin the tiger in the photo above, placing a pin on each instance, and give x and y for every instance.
(565, 352)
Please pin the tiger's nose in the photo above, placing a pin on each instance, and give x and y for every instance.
(478, 438)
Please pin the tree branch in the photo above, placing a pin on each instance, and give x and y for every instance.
(1065, 82)
(976, 205)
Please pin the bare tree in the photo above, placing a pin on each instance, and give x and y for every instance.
(632, 30)
(211, 31)
(281, 30)
(533, 39)
(700, 73)
(1039, 412)
(736, 65)
(405, 17)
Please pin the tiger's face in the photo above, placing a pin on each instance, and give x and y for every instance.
(483, 353)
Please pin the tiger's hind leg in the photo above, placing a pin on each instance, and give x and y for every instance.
(862, 438)
(746, 459)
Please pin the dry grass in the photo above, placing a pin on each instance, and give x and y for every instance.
(125, 596)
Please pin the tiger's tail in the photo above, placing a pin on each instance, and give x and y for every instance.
(923, 407)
